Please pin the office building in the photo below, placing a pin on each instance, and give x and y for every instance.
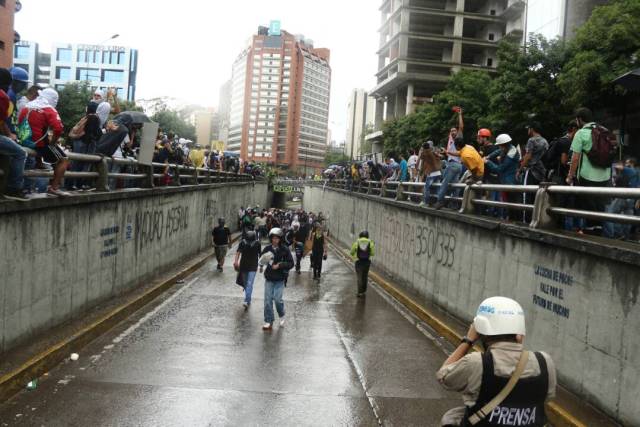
(360, 116)
(8, 36)
(559, 18)
(224, 110)
(102, 66)
(203, 124)
(27, 55)
(279, 108)
(422, 42)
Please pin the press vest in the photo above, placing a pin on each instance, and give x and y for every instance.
(523, 407)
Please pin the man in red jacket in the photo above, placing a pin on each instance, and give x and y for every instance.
(43, 117)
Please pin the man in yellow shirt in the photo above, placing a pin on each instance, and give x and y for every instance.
(197, 156)
(471, 159)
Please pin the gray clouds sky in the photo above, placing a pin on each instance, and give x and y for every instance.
(187, 47)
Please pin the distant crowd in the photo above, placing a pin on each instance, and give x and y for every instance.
(31, 137)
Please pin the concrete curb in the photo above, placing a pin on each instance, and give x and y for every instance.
(36, 366)
(558, 415)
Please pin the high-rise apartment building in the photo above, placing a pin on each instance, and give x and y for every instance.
(279, 110)
(422, 42)
(8, 35)
(360, 115)
(559, 18)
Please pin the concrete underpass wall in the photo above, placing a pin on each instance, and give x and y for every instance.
(581, 302)
(59, 258)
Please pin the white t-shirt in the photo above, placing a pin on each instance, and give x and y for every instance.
(413, 161)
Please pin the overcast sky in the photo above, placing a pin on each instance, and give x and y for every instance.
(187, 47)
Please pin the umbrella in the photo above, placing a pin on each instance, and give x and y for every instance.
(138, 117)
(630, 80)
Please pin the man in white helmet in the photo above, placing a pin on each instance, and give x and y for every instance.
(500, 326)
(276, 259)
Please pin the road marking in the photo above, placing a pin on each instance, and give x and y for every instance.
(153, 312)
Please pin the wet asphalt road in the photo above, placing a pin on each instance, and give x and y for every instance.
(194, 357)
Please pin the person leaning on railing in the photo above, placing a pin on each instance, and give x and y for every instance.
(8, 144)
(626, 177)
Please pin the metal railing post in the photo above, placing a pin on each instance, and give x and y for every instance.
(147, 182)
(176, 175)
(102, 167)
(467, 199)
(540, 219)
(368, 187)
(399, 191)
(383, 189)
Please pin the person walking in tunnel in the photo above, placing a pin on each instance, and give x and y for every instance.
(276, 260)
(299, 237)
(221, 236)
(246, 263)
(318, 250)
(362, 251)
(505, 382)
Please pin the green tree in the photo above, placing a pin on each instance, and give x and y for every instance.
(332, 158)
(173, 121)
(72, 103)
(605, 47)
(526, 88)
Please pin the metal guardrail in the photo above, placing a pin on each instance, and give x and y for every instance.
(145, 174)
(543, 212)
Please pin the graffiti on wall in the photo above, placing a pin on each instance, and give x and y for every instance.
(552, 286)
(156, 224)
(418, 239)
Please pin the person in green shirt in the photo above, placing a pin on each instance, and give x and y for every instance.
(582, 171)
(362, 251)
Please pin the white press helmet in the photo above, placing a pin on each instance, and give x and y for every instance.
(499, 316)
(502, 139)
(276, 232)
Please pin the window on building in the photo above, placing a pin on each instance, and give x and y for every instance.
(63, 54)
(113, 76)
(1, 45)
(121, 58)
(87, 74)
(489, 62)
(492, 12)
(492, 37)
(21, 52)
(63, 73)
(82, 55)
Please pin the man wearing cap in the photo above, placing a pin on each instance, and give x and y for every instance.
(504, 162)
(532, 170)
(500, 326)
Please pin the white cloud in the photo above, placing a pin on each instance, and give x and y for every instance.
(187, 47)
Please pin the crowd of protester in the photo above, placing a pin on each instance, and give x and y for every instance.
(567, 159)
(31, 137)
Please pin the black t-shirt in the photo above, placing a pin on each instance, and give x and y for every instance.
(300, 235)
(250, 255)
(221, 236)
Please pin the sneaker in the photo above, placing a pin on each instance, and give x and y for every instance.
(439, 206)
(422, 204)
(245, 305)
(281, 322)
(267, 327)
(57, 192)
(18, 195)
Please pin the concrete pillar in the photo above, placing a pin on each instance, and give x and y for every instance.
(379, 114)
(401, 103)
(391, 107)
(404, 20)
(410, 95)
(460, 6)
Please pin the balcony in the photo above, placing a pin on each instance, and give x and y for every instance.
(515, 8)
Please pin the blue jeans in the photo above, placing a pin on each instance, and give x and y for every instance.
(451, 174)
(619, 206)
(273, 294)
(17, 156)
(428, 182)
(249, 277)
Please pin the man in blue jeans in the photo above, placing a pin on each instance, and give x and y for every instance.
(246, 263)
(454, 168)
(278, 261)
(8, 145)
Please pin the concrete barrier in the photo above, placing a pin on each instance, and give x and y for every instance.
(580, 295)
(60, 257)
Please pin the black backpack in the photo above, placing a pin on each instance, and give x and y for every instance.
(364, 255)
